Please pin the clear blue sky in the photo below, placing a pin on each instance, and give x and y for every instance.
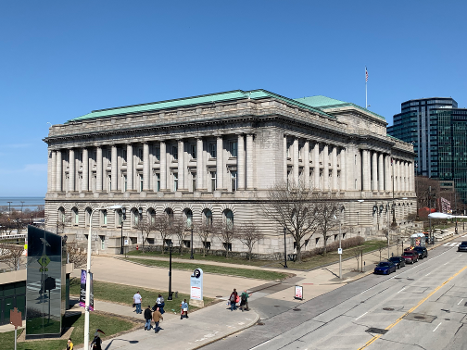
(62, 59)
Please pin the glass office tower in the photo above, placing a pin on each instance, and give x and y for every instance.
(45, 284)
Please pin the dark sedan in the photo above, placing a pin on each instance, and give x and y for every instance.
(385, 268)
(462, 247)
(422, 252)
(410, 256)
(398, 261)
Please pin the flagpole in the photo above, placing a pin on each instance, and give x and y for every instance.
(366, 90)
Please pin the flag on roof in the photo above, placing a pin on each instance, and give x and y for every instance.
(366, 75)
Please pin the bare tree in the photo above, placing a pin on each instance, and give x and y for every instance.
(292, 207)
(249, 236)
(227, 233)
(75, 254)
(326, 213)
(205, 232)
(11, 254)
(178, 228)
(146, 227)
(162, 224)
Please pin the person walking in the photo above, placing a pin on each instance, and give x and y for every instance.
(184, 308)
(233, 300)
(137, 299)
(148, 318)
(97, 341)
(160, 303)
(157, 317)
(69, 345)
(244, 301)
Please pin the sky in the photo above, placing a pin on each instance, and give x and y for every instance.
(62, 59)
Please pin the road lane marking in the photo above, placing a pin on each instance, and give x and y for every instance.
(460, 301)
(361, 315)
(376, 337)
(434, 330)
(257, 346)
(446, 263)
(428, 274)
(400, 290)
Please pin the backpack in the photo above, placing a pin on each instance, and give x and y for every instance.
(243, 297)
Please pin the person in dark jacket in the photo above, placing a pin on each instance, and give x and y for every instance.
(233, 300)
(148, 318)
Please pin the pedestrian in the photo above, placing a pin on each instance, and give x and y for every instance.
(137, 299)
(160, 303)
(244, 301)
(148, 318)
(157, 317)
(233, 300)
(69, 345)
(184, 309)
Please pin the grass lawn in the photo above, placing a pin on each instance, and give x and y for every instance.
(110, 325)
(233, 271)
(306, 264)
(123, 294)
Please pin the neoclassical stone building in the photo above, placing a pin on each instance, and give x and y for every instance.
(214, 157)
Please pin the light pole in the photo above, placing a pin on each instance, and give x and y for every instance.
(340, 240)
(121, 229)
(191, 243)
(285, 250)
(169, 244)
(88, 276)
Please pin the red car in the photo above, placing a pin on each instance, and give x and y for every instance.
(410, 256)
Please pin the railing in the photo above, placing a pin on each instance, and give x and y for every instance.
(14, 236)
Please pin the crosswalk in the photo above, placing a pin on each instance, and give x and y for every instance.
(451, 244)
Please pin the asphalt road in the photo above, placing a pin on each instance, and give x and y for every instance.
(421, 306)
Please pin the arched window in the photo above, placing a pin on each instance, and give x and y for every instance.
(75, 216)
(103, 217)
(229, 218)
(189, 217)
(135, 216)
(151, 216)
(207, 217)
(61, 215)
(170, 213)
(87, 215)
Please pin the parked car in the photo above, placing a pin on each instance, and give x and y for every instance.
(462, 247)
(422, 252)
(410, 256)
(398, 261)
(385, 268)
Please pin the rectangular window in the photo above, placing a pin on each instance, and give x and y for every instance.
(158, 182)
(213, 181)
(175, 152)
(124, 154)
(141, 183)
(109, 179)
(233, 175)
(227, 246)
(187, 244)
(104, 217)
(207, 245)
(212, 150)
(194, 181)
(233, 148)
(193, 151)
(102, 239)
(140, 154)
(157, 153)
(175, 182)
(125, 183)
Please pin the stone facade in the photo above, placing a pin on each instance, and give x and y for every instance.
(217, 158)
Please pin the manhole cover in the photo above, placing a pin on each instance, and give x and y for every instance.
(297, 309)
(260, 324)
(447, 319)
(376, 330)
(410, 279)
(388, 308)
(420, 317)
(276, 306)
(397, 278)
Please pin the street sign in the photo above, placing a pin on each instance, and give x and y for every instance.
(15, 318)
(339, 250)
(298, 292)
(126, 241)
(196, 285)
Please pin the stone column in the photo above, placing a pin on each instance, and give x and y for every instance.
(181, 165)
(146, 166)
(342, 166)
(99, 168)
(334, 168)
(380, 172)
(306, 162)
(49, 171)
(59, 180)
(387, 173)
(199, 165)
(326, 168)
(316, 183)
(129, 167)
(295, 160)
(113, 169)
(163, 165)
(284, 158)
(241, 162)
(366, 170)
(249, 161)
(220, 163)
(71, 170)
(85, 183)
(374, 171)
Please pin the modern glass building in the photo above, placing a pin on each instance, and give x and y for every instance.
(438, 130)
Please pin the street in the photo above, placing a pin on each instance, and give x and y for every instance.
(421, 306)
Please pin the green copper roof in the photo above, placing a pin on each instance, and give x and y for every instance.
(196, 100)
(323, 102)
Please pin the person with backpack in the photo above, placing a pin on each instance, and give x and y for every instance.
(160, 303)
(148, 318)
(244, 301)
(233, 300)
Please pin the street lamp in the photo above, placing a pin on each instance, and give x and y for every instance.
(170, 244)
(285, 250)
(88, 275)
(191, 243)
(123, 210)
(340, 239)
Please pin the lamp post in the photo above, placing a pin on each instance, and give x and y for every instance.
(169, 244)
(340, 241)
(88, 275)
(121, 230)
(285, 250)
(191, 243)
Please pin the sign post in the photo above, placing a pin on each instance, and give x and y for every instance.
(298, 292)
(15, 320)
(196, 288)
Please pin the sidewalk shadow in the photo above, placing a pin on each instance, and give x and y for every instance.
(129, 341)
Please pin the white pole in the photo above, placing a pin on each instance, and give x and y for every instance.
(366, 92)
(88, 286)
(340, 247)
